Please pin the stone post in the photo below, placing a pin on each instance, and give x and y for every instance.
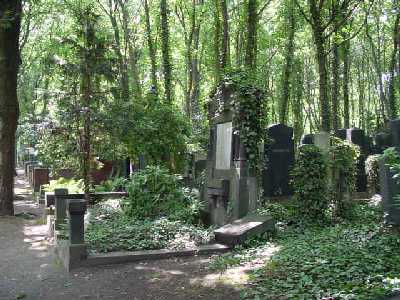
(76, 213)
(61, 207)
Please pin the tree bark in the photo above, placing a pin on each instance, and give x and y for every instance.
(10, 25)
(167, 66)
(335, 86)
(252, 20)
(346, 79)
(225, 54)
(287, 70)
(392, 79)
(319, 39)
(150, 44)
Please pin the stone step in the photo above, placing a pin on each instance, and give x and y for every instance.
(240, 230)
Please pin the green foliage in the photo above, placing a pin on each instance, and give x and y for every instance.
(73, 186)
(349, 261)
(343, 158)
(111, 185)
(310, 182)
(154, 192)
(249, 117)
(158, 130)
(372, 171)
(111, 230)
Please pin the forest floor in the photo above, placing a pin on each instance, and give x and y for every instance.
(29, 270)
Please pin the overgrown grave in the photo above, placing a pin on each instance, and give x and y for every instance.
(235, 160)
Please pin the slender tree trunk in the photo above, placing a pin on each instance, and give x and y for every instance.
(217, 41)
(335, 86)
(166, 58)
(252, 21)
(152, 50)
(225, 53)
(319, 39)
(123, 70)
(287, 70)
(132, 53)
(346, 79)
(10, 25)
(392, 79)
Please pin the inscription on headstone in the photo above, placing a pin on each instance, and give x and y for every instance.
(224, 146)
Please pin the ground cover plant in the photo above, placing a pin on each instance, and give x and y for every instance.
(356, 259)
(159, 213)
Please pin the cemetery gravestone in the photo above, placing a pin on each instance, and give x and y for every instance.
(280, 160)
(307, 139)
(231, 189)
(40, 177)
(356, 136)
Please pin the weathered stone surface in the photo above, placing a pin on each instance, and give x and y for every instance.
(76, 211)
(280, 160)
(240, 230)
(357, 136)
(224, 146)
(394, 127)
(322, 141)
(389, 189)
(40, 177)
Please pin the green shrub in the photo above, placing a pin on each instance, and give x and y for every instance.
(111, 185)
(310, 182)
(110, 230)
(73, 186)
(154, 192)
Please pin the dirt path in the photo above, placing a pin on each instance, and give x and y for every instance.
(28, 269)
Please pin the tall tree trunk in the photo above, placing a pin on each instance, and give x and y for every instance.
(167, 66)
(287, 70)
(346, 79)
(335, 86)
(123, 70)
(392, 79)
(217, 41)
(132, 53)
(150, 44)
(297, 107)
(252, 21)
(10, 25)
(225, 53)
(319, 39)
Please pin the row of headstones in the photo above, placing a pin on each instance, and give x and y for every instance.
(37, 175)
(280, 156)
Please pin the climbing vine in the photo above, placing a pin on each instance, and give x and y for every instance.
(343, 158)
(310, 182)
(249, 116)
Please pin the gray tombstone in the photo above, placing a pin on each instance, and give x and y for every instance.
(231, 189)
(280, 160)
(390, 187)
(381, 142)
(341, 133)
(357, 137)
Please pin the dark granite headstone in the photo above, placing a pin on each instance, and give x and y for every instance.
(341, 134)
(381, 142)
(307, 139)
(280, 160)
(357, 137)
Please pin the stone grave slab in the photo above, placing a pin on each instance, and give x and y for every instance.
(240, 230)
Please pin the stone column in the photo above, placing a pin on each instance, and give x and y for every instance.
(76, 213)
(61, 207)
